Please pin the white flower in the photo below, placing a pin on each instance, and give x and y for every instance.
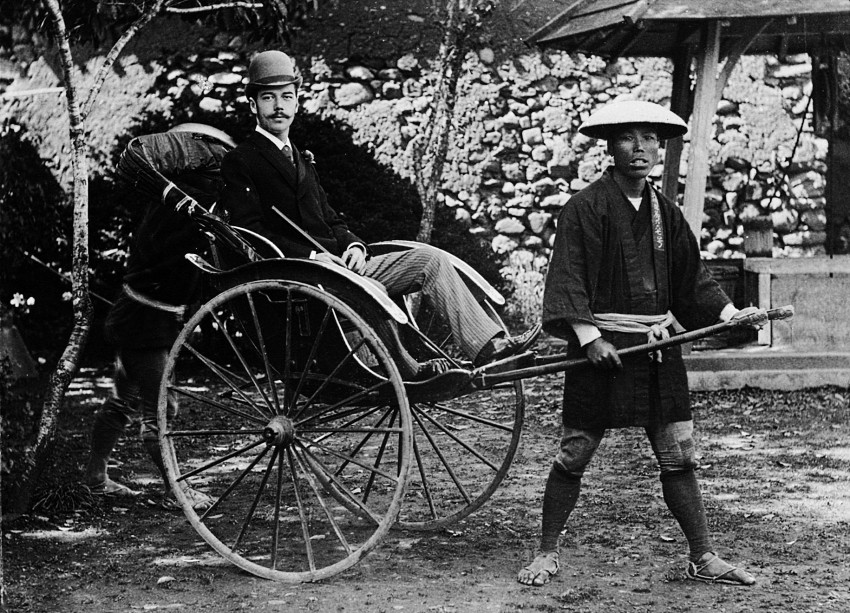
(66, 296)
(30, 301)
(17, 300)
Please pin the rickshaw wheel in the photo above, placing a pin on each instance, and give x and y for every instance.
(294, 420)
(462, 447)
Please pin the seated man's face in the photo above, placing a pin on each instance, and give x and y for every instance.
(635, 150)
(275, 108)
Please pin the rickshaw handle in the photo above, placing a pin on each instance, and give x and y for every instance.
(545, 365)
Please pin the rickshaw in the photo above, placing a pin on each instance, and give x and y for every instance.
(296, 420)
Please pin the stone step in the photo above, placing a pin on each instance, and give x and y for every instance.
(766, 369)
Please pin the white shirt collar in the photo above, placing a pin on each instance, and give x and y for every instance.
(274, 139)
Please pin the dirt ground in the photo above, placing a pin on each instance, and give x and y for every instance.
(775, 477)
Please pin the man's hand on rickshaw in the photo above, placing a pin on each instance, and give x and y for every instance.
(329, 258)
(755, 316)
(603, 354)
(354, 258)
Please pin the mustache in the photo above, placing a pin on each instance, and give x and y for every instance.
(280, 116)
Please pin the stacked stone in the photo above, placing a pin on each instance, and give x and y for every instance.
(516, 156)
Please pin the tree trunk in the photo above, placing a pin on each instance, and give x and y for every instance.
(40, 455)
(432, 148)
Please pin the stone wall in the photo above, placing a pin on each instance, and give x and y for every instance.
(517, 156)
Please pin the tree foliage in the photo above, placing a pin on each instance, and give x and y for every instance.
(101, 22)
(30, 221)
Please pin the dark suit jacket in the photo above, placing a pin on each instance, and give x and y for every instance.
(259, 177)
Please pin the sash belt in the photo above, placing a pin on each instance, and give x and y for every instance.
(654, 326)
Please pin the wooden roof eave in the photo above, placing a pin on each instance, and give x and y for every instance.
(806, 31)
(572, 18)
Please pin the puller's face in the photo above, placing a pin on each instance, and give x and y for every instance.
(275, 108)
(635, 150)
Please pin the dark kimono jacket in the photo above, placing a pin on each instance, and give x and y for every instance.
(609, 258)
(157, 267)
(259, 178)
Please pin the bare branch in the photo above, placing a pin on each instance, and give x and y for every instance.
(116, 50)
(214, 7)
(64, 44)
(26, 93)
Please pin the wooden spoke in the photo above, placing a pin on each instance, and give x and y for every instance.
(349, 458)
(218, 405)
(311, 356)
(244, 363)
(451, 435)
(463, 447)
(446, 464)
(250, 514)
(224, 458)
(262, 350)
(317, 492)
(481, 420)
(222, 374)
(235, 483)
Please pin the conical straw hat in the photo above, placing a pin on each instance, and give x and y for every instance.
(613, 116)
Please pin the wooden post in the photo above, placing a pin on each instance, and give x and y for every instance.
(679, 104)
(838, 158)
(704, 111)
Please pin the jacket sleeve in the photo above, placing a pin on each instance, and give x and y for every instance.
(568, 290)
(339, 229)
(697, 299)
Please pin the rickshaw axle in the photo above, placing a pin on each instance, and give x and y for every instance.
(280, 432)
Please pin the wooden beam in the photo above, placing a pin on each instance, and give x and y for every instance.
(557, 21)
(631, 35)
(741, 9)
(704, 112)
(734, 53)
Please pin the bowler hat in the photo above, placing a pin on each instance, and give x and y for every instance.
(603, 122)
(270, 69)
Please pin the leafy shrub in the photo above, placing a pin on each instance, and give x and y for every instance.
(21, 405)
(525, 278)
(34, 215)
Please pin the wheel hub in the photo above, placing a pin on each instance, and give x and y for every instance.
(279, 432)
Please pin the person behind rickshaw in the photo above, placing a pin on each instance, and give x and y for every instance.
(266, 176)
(624, 265)
(158, 284)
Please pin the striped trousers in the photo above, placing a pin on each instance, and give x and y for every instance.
(432, 273)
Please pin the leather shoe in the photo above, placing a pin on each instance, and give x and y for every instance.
(501, 347)
(432, 368)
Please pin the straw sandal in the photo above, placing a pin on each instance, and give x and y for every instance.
(712, 569)
(541, 570)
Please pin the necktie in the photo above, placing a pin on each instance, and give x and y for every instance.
(288, 153)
